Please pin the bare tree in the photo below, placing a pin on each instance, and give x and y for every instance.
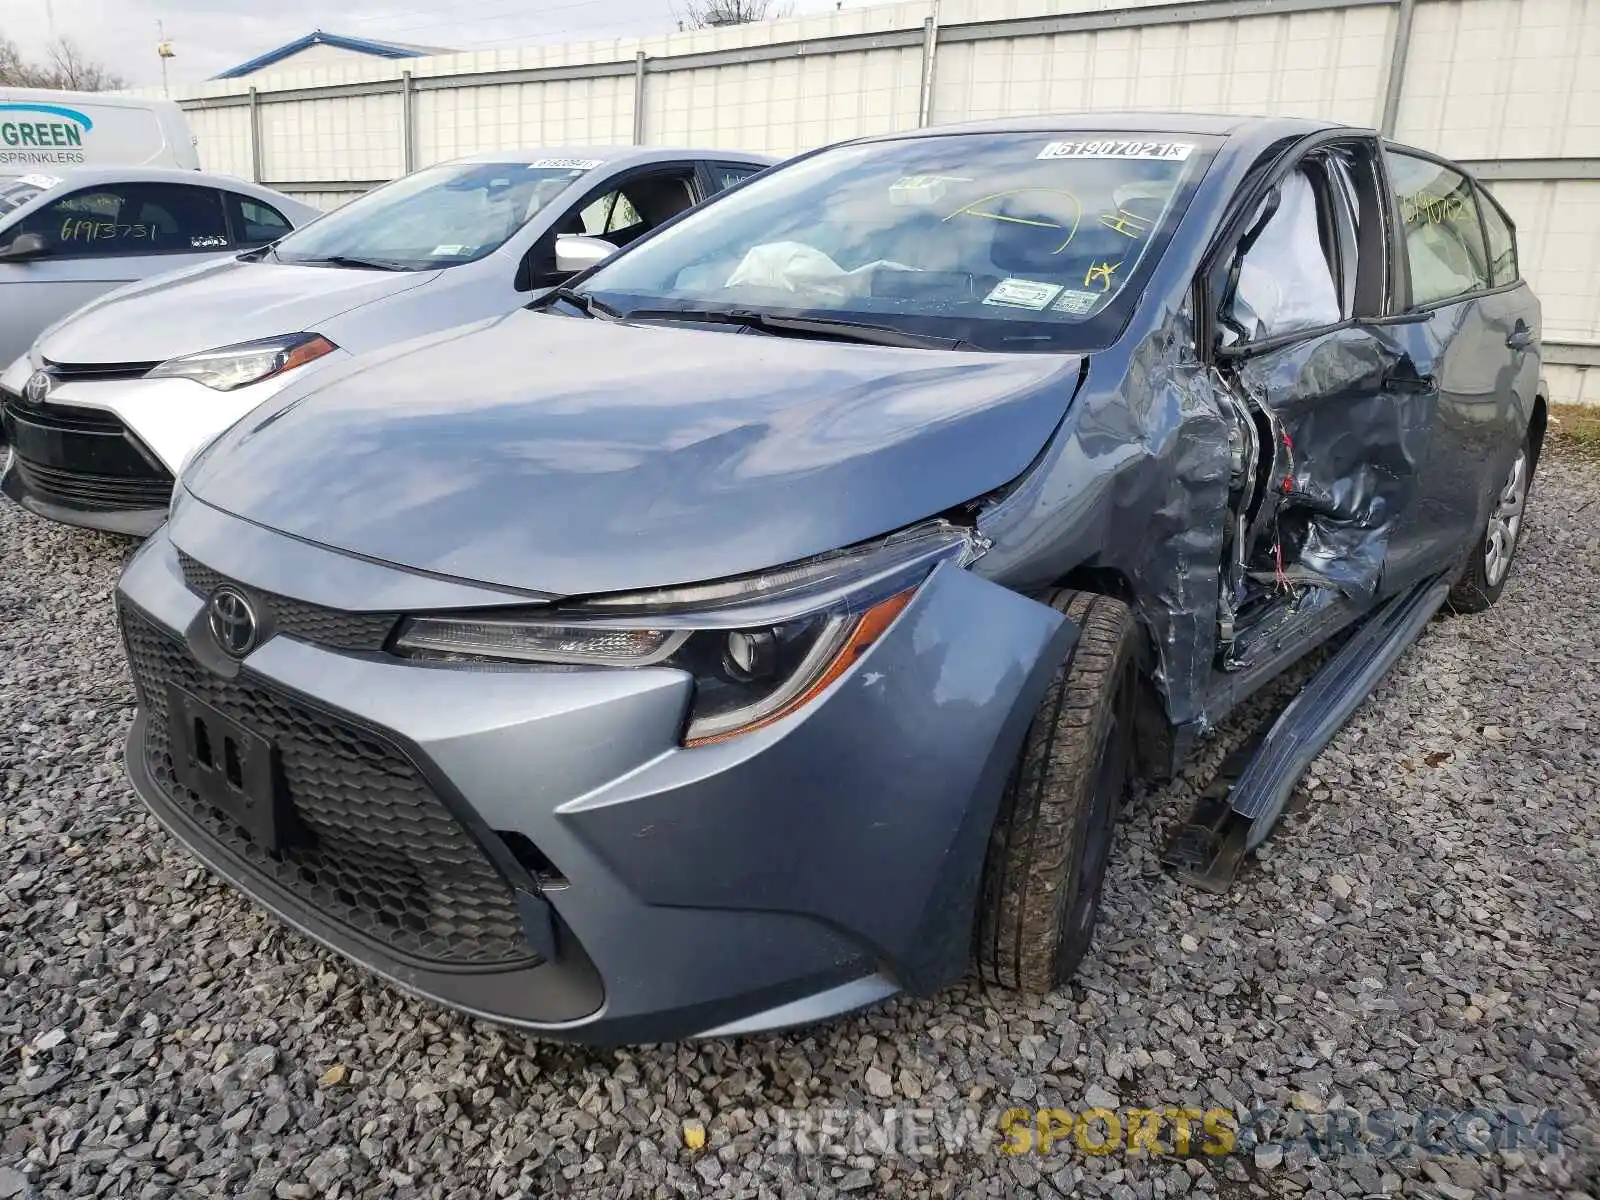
(706, 14)
(75, 72)
(65, 67)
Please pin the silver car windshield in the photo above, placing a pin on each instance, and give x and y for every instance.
(996, 240)
(436, 217)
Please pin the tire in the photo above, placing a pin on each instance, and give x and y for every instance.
(1051, 840)
(1486, 572)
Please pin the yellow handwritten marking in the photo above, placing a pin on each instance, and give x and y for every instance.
(1129, 225)
(974, 209)
(1101, 273)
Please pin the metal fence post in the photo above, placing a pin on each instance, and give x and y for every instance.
(638, 98)
(255, 137)
(1397, 66)
(408, 131)
(930, 49)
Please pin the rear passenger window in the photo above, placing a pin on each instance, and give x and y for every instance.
(1502, 241)
(255, 223)
(1439, 221)
(131, 218)
(727, 174)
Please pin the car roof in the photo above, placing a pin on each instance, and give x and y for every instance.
(88, 176)
(618, 156)
(1142, 121)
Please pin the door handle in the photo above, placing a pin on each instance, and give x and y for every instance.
(1406, 379)
(1519, 338)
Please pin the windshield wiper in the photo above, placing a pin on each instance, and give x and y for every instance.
(782, 326)
(344, 260)
(591, 305)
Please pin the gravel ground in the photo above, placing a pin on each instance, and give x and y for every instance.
(1420, 934)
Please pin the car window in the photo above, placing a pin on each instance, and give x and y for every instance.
(255, 223)
(1439, 222)
(439, 216)
(1502, 242)
(1285, 279)
(728, 174)
(634, 208)
(130, 218)
(1004, 240)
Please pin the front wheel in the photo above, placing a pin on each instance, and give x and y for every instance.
(1486, 572)
(1051, 841)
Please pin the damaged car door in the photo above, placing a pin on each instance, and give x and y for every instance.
(1331, 411)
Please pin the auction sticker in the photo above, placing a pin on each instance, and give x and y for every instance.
(1076, 303)
(1111, 148)
(1022, 293)
(569, 164)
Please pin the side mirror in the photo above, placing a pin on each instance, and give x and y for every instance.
(23, 247)
(578, 252)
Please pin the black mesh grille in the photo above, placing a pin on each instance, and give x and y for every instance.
(98, 493)
(312, 623)
(377, 853)
(68, 372)
(65, 418)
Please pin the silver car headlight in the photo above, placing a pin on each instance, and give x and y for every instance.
(230, 367)
(759, 647)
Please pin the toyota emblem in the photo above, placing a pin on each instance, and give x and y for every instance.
(38, 386)
(233, 621)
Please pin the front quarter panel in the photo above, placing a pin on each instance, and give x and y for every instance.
(871, 811)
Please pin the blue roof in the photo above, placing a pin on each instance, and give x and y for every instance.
(318, 37)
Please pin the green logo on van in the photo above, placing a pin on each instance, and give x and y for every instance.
(42, 133)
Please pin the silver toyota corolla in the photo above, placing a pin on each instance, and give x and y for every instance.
(772, 619)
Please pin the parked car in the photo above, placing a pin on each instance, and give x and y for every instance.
(771, 620)
(47, 130)
(138, 381)
(71, 235)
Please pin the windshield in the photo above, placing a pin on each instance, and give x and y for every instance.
(436, 217)
(1000, 241)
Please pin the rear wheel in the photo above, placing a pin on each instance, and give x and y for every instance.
(1485, 575)
(1052, 838)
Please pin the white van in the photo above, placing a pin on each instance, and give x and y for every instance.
(41, 129)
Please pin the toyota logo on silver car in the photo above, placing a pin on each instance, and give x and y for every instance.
(38, 386)
(233, 621)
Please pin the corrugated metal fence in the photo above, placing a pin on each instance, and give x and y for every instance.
(1511, 87)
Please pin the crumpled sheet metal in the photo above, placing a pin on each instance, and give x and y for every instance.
(1345, 457)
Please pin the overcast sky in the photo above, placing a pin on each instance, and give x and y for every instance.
(213, 35)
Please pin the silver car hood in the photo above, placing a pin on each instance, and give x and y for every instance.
(567, 456)
(218, 304)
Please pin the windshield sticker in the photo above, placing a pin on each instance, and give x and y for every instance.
(567, 164)
(1076, 303)
(1022, 293)
(207, 241)
(448, 251)
(42, 182)
(1107, 148)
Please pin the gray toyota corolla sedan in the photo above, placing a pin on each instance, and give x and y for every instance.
(772, 619)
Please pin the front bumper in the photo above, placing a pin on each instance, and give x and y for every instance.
(781, 877)
(104, 453)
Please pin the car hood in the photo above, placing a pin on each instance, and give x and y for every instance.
(572, 456)
(216, 304)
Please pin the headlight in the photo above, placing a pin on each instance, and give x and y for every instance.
(758, 646)
(249, 362)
